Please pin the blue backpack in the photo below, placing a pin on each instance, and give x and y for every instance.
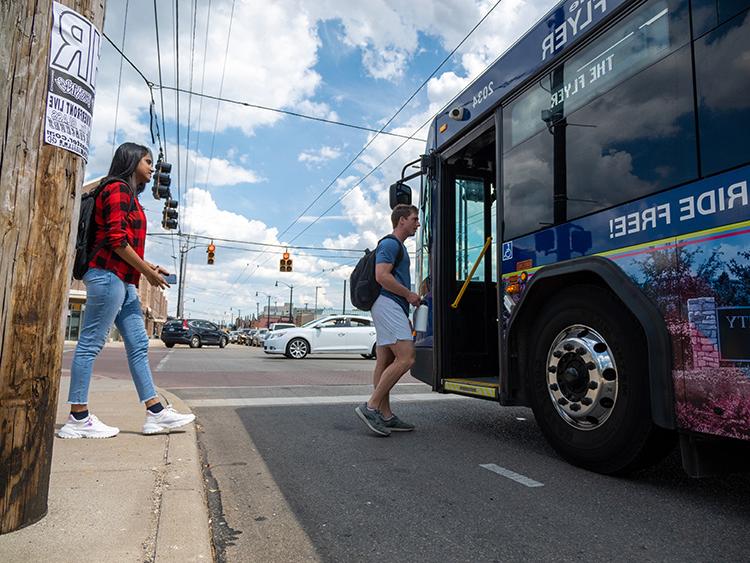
(363, 287)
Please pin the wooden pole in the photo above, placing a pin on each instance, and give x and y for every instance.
(39, 196)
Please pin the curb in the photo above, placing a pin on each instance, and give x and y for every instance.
(182, 530)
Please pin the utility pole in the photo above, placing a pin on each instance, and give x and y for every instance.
(40, 188)
(343, 307)
(315, 311)
(181, 281)
(184, 249)
(291, 299)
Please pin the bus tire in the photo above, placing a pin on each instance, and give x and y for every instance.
(589, 385)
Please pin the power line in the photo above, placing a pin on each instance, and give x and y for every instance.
(203, 80)
(124, 56)
(190, 100)
(161, 93)
(266, 244)
(219, 98)
(177, 80)
(119, 78)
(288, 112)
(221, 89)
(446, 59)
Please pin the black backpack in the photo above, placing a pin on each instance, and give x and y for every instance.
(363, 287)
(86, 232)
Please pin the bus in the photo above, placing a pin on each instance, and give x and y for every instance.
(585, 239)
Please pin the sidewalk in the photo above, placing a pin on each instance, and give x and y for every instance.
(128, 498)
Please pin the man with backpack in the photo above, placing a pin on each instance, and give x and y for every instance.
(390, 315)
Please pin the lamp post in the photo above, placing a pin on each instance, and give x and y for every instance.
(291, 295)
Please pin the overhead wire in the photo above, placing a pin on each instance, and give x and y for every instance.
(177, 81)
(446, 59)
(162, 147)
(356, 157)
(203, 80)
(289, 112)
(190, 103)
(119, 78)
(264, 244)
(221, 89)
(202, 94)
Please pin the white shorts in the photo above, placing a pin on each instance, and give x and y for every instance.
(391, 323)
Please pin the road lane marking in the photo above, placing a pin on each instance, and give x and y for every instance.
(512, 475)
(163, 361)
(297, 401)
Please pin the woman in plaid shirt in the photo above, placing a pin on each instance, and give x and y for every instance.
(111, 297)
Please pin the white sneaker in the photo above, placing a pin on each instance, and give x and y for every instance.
(89, 427)
(167, 419)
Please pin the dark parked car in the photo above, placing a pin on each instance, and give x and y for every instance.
(193, 332)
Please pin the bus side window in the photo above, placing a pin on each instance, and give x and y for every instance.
(722, 81)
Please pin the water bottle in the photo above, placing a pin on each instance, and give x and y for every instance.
(420, 318)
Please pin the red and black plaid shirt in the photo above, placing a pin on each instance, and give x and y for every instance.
(119, 221)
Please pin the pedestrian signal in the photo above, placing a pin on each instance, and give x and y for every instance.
(211, 249)
(285, 264)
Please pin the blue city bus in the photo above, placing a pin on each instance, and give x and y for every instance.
(585, 240)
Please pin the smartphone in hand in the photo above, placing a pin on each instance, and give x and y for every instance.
(171, 278)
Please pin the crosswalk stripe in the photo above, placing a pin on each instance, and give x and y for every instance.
(297, 401)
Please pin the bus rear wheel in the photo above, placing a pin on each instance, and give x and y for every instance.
(589, 383)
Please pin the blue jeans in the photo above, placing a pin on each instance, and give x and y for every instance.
(110, 300)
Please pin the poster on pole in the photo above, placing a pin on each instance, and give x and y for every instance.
(73, 64)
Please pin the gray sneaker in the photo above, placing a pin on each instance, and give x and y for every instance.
(373, 419)
(395, 424)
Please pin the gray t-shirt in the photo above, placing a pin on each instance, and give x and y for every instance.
(386, 253)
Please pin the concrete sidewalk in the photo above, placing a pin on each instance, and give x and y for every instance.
(128, 498)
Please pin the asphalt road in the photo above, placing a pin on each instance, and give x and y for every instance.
(294, 475)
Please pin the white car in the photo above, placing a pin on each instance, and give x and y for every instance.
(338, 334)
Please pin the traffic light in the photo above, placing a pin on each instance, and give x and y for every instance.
(160, 189)
(211, 249)
(169, 215)
(285, 264)
(162, 180)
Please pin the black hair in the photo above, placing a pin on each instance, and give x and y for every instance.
(124, 162)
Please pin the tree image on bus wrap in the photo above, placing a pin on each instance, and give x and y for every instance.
(703, 293)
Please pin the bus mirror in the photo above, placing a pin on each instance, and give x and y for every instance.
(545, 241)
(580, 241)
(400, 193)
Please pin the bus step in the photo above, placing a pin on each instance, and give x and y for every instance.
(473, 387)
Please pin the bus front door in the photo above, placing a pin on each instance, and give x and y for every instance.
(468, 341)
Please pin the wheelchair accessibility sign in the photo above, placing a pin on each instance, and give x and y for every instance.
(507, 251)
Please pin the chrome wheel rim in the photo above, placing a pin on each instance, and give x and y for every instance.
(582, 377)
(298, 349)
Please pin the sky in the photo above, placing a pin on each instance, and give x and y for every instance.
(255, 176)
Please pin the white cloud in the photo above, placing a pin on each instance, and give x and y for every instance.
(323, 154)
(272, 61)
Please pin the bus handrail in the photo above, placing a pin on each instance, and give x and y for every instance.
(487, 243)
